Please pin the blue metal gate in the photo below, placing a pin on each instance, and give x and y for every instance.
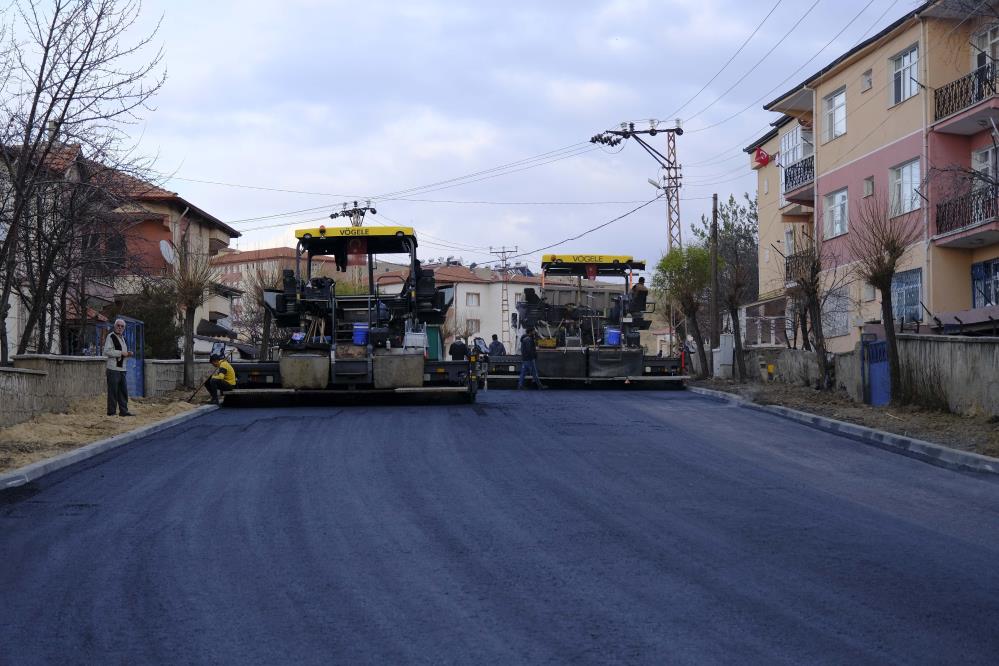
(135, 338)
(877, 381)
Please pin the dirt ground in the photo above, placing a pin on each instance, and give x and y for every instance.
(966, 433)
(50, 434)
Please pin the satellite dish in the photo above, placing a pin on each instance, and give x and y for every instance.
(166, 249)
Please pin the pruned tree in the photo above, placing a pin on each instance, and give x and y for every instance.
(878, 242)
(816, 284)
(683, 276)
(71, 79)
(191, 276)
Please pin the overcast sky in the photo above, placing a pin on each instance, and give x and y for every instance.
(344, 99)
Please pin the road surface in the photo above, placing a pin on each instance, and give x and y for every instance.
(532, 527)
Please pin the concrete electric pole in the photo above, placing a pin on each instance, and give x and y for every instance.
(714, 271)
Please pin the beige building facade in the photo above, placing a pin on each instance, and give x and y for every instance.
(905, 120)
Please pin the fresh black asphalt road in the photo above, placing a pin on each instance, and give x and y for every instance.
(532, 527)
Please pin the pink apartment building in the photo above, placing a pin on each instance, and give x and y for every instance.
(910, 115)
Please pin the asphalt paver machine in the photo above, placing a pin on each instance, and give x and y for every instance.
(579, 344)
(346, 342)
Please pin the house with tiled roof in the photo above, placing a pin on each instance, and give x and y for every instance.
(143, 216)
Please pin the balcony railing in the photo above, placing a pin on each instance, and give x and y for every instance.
(979, 206)
(966, 91)
(797, 265)
(800, 173)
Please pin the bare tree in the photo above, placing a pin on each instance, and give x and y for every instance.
(816, 284)
(255, 321)
(878, 242)
(68, 76)
(192, 276)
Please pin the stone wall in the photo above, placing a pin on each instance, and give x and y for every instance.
(163, 376)
(47, 383)
(957, 373)
(849, 374)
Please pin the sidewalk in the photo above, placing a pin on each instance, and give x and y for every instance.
(51, 434)
(976, 435)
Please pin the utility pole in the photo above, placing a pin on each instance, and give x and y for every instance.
(671, 183)
(672, 176)
(356, 214)
(714, 271)
(504, 254)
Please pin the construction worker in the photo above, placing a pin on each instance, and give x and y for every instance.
(639, 296)
(496, 348)
(223, 380)
(458, 350)
(529, 359)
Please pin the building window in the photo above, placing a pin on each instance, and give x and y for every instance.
(836, 313)
(905, 297)
(836, 213)
(473, 326)
(835, 114)
(985, 47)
(905, 188)
(904, 72)
(869, 293)
(867, 80)
(788, 239)
(795, 146)
(983, 162)
(985, 283)
(472, 299)
(869, 186)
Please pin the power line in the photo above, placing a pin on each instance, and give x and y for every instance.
(715, 159)
(727, 62)
(787, 78)
(591, 229)
(757, 64)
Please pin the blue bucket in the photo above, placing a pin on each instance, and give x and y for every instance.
(360, 334)
(612, 336)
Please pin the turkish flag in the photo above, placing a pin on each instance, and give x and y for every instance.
(591, 271)
(761, 157)
(357, 250)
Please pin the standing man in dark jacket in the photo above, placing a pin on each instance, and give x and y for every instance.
(458, 350)
(529, 359)
(496, 348)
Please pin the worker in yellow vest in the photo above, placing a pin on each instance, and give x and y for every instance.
(223, 380)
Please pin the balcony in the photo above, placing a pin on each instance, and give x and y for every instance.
(799, 181)
(957, 100)
(969, 220)
(797, 265)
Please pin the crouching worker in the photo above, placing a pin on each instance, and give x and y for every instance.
(223, 380)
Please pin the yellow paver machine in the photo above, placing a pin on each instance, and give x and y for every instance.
(582, 344)
(342, 341)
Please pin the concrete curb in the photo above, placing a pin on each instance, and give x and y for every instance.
(29, 473)
(935, 454)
